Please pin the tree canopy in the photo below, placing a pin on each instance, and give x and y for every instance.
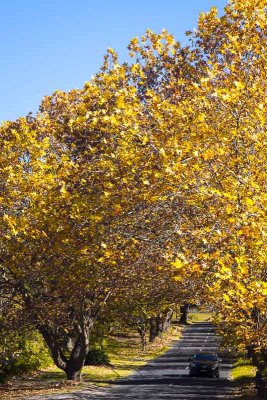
(150, 180)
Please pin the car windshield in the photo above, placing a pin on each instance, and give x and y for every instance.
(205, 357)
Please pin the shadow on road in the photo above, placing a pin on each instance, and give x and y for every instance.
(166, 377)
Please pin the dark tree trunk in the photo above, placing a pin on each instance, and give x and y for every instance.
(260, 361)
(50, 338)
(152, 330)
(155, 328)
(73, 375)
(77, 357)
(72, 365)
(261, 384)
(142, 332)
(250, 351)
(184, 312)
(159, 324)
(167, 321)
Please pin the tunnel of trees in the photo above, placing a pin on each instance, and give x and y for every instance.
(143, 190)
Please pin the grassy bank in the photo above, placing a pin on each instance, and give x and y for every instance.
(125, 354)
(243, 374)
(243, 370)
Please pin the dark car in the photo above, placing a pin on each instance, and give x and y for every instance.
(204, 364)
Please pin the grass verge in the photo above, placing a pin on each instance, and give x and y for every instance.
(243, 370)
(125, 355)
(243, 374)
(199, 317)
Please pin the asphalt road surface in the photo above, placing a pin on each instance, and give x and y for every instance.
(166, 377)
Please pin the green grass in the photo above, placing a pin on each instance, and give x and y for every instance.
(199, 317)
(243, 370)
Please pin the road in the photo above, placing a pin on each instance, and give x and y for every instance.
(166, 378)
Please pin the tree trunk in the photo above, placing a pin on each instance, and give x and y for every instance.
(261, 384)
(167, 321)
(152, 330)
(250, 351)
(50, 338)
(142, 333)
(73, 375)
(72, 365)
(260, 360)
(77, 357)
(159, 324)
(184, 311)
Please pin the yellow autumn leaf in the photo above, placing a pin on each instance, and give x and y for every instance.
(177, 263)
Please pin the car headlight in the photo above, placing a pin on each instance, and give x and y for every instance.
(193, 365)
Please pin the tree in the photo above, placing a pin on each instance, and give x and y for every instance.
(60, 201)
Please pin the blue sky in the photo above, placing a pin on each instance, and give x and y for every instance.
(47, 45)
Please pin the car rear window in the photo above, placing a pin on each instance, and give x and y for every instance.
(205, 357)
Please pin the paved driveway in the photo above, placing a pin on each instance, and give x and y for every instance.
(167, 376)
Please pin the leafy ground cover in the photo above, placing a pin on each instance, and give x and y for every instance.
(125, 355)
